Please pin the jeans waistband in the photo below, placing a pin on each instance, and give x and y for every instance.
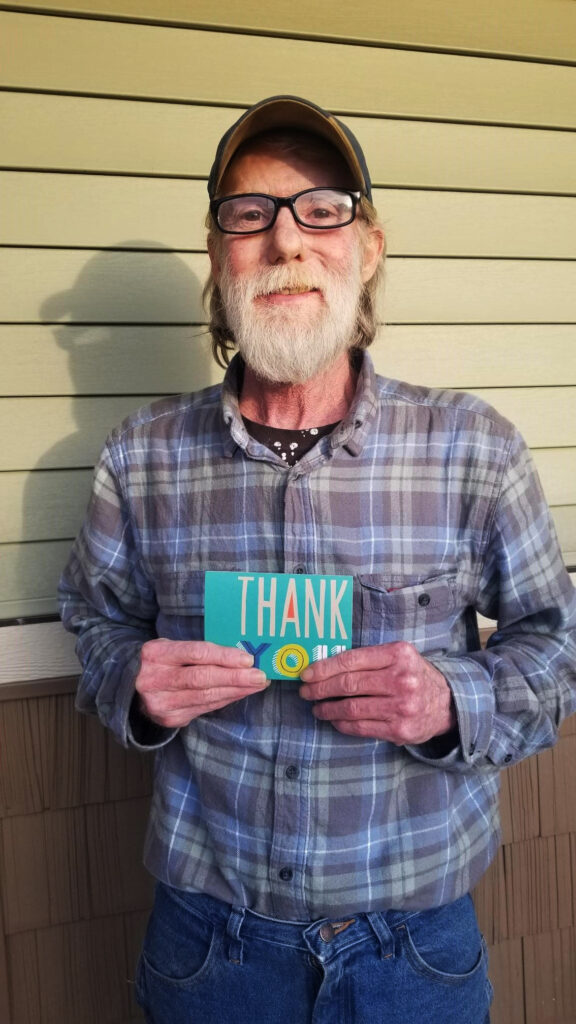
(323, 938)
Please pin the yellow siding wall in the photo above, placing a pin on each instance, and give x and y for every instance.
(109, 120)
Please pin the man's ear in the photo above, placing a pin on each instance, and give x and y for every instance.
(215, 260)
(374, 247)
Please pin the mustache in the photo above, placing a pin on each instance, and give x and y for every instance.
(281, 278)
(278, 279)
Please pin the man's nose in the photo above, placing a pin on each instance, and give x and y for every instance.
(285, 238)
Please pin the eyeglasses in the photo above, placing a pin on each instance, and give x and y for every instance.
(252, 212)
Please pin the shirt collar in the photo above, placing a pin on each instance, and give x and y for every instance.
(352, 432)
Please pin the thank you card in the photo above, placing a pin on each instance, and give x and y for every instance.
(284, 621)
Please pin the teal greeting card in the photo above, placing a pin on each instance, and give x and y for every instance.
(284, 621)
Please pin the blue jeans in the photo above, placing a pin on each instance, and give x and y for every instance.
(204, 962)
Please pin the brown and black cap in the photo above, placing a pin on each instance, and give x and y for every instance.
(290, 112)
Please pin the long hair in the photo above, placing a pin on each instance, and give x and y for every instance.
(223, 341)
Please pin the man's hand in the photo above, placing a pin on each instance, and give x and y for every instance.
(182, 679)
(389, 692)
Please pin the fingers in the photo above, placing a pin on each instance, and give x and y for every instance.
(173, 710)
(384, 723)
(374, 720)
(359, 659)
(194, 652)
(389, 692)
(181, 680)
(363, 670)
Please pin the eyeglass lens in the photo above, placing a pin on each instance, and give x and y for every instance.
(315, 208)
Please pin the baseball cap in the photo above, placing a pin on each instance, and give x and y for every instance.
(290, 112)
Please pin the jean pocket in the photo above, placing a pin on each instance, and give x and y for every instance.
(445, 944)
(180, 947)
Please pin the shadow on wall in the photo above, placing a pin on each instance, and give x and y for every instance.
(130, 327)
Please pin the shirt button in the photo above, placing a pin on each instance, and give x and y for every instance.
(292, 771)
(286, 874)
(424, 600)
(299, 569)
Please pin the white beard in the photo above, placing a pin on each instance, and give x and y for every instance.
(283, 345)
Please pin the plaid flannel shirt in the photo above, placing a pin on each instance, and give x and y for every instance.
(417, 492)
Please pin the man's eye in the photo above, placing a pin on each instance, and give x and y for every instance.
(322, 213)
(252, 215)
(247, 216)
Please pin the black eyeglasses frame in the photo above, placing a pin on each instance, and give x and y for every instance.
(289, 201)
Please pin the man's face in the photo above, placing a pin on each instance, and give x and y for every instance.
(291, 293)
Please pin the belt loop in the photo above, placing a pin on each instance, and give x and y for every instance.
(377, 922)
(233, 927)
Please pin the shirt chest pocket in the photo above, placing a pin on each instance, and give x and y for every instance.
(423, 614)
(180, 597)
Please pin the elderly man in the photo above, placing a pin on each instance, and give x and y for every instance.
(315, 839)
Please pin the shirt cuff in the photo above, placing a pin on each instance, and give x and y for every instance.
(116, 705)
(466, 746)
(144, 734)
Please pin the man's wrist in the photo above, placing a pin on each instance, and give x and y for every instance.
(142, 731)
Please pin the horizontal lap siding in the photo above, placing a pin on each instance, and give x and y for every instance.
(76, 56)
(71, 133)
(104, 240)
(104, 252)
(543, 29)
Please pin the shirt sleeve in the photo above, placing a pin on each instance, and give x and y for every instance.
(108, 602)
(511, 698)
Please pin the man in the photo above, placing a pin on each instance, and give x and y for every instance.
(315, 841)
